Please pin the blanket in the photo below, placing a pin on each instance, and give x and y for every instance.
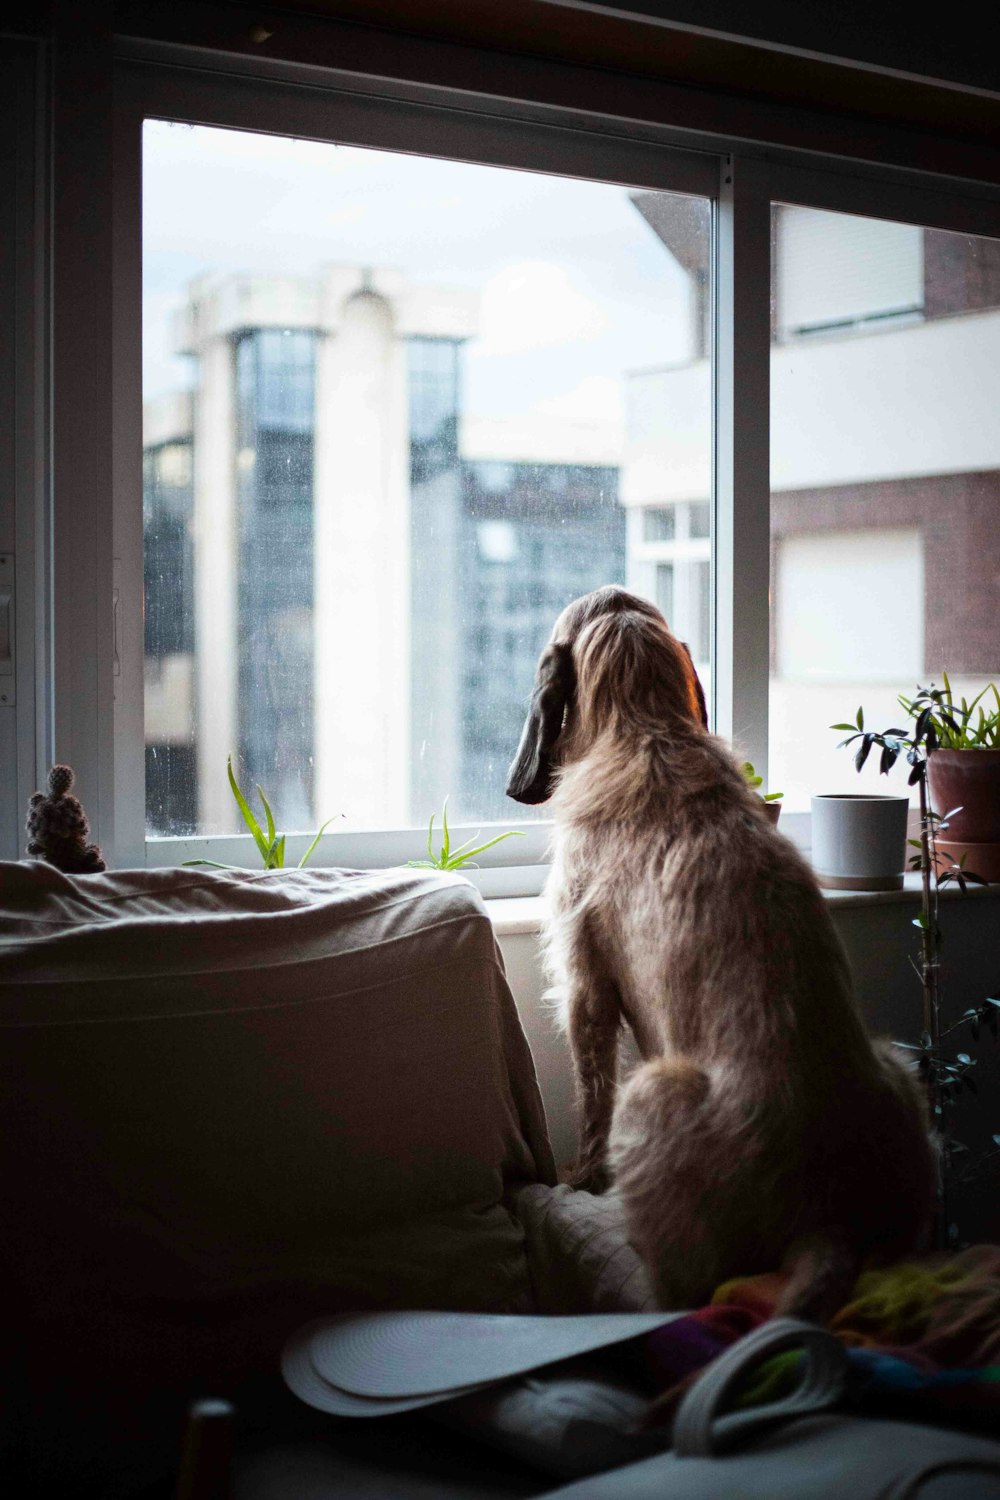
(923, 1339)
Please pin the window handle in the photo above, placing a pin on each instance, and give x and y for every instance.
(7, 628)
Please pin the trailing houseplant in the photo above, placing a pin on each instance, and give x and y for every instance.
(947, 1073)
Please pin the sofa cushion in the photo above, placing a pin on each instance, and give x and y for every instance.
(229, 1101)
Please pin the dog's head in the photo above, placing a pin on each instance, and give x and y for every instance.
(611, 659)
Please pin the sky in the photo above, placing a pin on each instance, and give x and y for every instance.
(574, 287)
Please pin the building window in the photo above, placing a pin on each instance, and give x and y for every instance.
(659, 523)
(376, 474)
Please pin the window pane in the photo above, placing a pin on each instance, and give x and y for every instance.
(885, 479)
(659, 523)
(665, 589)
(398, 412)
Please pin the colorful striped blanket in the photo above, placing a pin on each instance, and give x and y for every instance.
(923, 1339)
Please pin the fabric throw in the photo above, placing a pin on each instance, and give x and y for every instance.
(923, 1339)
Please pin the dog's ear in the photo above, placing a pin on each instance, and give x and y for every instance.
(530, 776)
(699, 691)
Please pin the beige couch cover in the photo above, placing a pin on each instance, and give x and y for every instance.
(232, 1100)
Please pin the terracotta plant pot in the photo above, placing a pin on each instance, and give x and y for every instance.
(773, 810)
(969, 780)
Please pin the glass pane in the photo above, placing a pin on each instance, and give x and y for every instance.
(398, 412)
(885, 482)
(665, 589)
(659, 523)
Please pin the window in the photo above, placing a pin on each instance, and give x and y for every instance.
(885, 482)
(347, 579)
(408, 445)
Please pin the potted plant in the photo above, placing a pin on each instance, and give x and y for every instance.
(946, 1073)
(963, 770)
(859, 839)
(771, 800)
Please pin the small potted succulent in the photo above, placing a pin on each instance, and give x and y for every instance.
(771, 800)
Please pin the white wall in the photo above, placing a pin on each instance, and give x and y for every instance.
(890, 404)
(846, 599)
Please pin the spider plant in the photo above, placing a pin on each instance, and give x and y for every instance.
(447, 858)
(270, 843)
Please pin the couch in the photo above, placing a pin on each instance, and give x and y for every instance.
(234, 1102)
(230, 1102)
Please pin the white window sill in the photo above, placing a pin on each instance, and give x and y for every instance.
(524, 914)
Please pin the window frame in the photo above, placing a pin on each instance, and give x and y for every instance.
(742, 182)
(142, 91)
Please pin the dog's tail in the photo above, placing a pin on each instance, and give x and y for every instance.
(822, 1269)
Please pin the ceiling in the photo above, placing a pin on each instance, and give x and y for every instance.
(646, 47)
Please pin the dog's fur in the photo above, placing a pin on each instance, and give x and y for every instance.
(764, 1122)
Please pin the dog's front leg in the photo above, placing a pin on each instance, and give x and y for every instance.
(594, 1021)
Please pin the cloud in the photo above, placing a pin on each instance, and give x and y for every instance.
(534, 304)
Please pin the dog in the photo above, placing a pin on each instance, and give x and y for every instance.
(764, 1127)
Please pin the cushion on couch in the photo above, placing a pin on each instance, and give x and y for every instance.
(233, 1100)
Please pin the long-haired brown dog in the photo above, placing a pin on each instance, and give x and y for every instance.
(764, 1123)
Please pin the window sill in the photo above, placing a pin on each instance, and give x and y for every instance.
(513, 916)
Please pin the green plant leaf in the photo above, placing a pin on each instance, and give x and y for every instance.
(267, 812)
(305, 858)
(248, 817)
(861, 717)
(455, 863)
(445, 836)
(213, 863)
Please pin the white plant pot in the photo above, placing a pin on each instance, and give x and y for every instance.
(859, 841)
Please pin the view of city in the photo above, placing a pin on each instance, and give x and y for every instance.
(399, 411)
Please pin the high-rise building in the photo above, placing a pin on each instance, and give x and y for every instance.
(365, 580)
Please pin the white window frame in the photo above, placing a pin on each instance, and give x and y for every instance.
(743, 183)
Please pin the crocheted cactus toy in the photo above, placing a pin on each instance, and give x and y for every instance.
(58, 828)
